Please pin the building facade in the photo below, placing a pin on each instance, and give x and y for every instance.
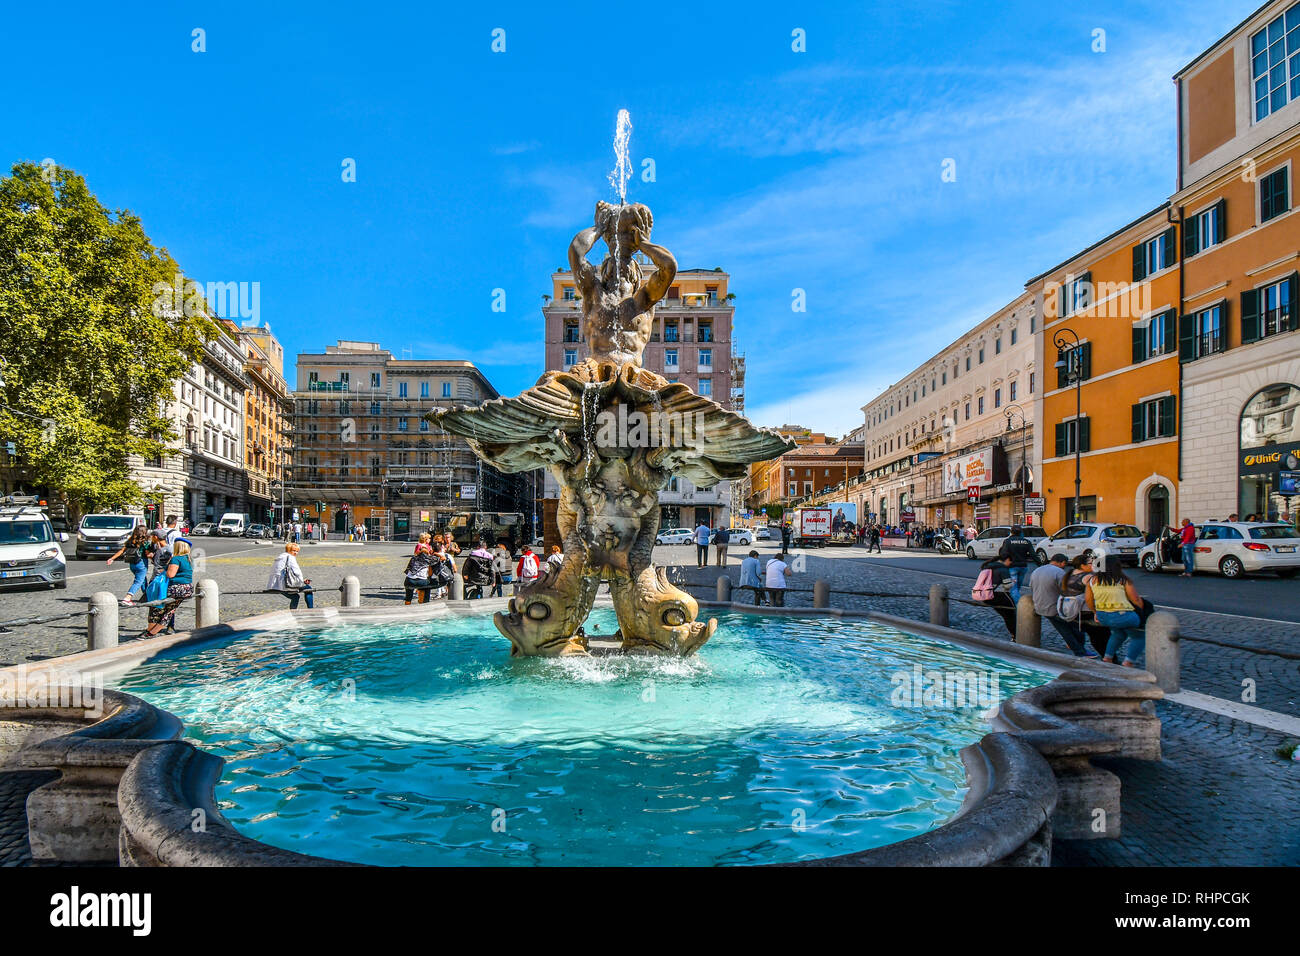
(204, 477)
(691, 343)
(268, 411)
(365, 454)
(1239, 337)
(962, 419)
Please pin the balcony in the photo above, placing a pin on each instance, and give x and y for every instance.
(1207, 343)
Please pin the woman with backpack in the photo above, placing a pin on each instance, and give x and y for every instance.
(992, 587)
(528, 569)
(1114, 599)
(477, 571)
(136, 553)
(503, 569)
(419, 570)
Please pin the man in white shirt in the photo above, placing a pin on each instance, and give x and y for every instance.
(776, 571)
(702, 545)
(173, 532)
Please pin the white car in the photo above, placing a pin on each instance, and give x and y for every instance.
(762, 533)
(988, 541)
(1233, 548)
(103, 534)
(204, 528)
(675, 536)
(29, 549)
(738, 536)
(1088, 537)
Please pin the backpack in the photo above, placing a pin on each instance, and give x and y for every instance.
(529, 566)
(983, 589)
(443, 574)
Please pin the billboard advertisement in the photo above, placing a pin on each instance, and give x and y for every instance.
(963, 472)
(844, 516)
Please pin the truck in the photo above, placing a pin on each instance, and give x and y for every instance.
(810, 527)
(468, 527)
(233, 524)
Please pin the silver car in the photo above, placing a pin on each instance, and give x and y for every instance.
(1088, 537)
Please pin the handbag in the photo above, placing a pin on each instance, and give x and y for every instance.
(1069, 607)
(156, 589)
(292, 580)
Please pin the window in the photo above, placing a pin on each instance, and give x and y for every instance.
(312, 379)
(424, 425)
(945, 378)
(981, 355)
(570, 357)
(1274, 197)
(706, 358)
(923, 391)
(1076, 294)
(1275, 84)
(1014, 334)
(1153, 419)
(401, 424)
(794, 489)
(375, 408)
(374, 468)
(997, 346)
(706, 387)
(569, 294)
(968, 363)
(1201, 333)
(401, 390)
(807, 487)
(424, 389)
(706, 332)
(670, 333)
(374, 379)
(1073, 435)
(1155, 254)
(1269, 310)
(1072, 363)
(1031, 383)
(1205, 229)
(345, 379)
(571, 334)
(446, 389)
(997, 398)
(968, 411)
(1155, 336)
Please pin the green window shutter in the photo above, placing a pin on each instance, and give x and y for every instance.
(1280, 203)
(1139, 263)
(1293, 320)
(1061, 369)
(1139, 344)
(1191, 243)
(1085, 434)
(1060, 302)
(1086, 281)
(1250, 316)
(1171, 330)
(1139, 420)
(1222, 230)
(1060, 439)
(1187, 338)
(1171, 245)
(1085, 361)
(1167, 415)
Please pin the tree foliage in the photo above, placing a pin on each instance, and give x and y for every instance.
(89, 336)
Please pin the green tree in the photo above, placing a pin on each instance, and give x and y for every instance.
(93, 334)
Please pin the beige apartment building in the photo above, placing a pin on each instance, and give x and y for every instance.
(691, 343)
(962, 419)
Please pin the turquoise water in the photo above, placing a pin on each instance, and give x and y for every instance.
(426, 744)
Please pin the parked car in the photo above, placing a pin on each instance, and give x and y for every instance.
(204, 528)
(738, 536)
(29, 549)
(675, 536)
(1084, 538)
(1232, 548)
(100, 535)
(762, 533)
(988, 541)
(258, 531)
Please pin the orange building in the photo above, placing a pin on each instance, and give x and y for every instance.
(1109, 404)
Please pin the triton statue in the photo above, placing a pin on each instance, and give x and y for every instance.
(613, 434)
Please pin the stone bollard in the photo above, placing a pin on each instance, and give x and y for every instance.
(352, 591)
(457, 590)
(724, 589)
(821, 593)
(939, 604)
(1164, 651)
(207, 604)
(1029, 626)
(101, 621)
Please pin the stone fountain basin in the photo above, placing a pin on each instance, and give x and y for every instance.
(1005, 775)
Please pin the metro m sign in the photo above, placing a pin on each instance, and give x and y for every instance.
(973, 494)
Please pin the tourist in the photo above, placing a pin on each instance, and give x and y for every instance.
(527, 570)
(721, 538)
(418, 574)
(136, 554)
(477, 571)
(786, 535)
(970, 533)
(286, 577)
(173, 532)
(776, 571)
(449, 544)
(1023, 560)
(702, 545)
(556, 557)
(1045, 586)
(749, 569)
(875, 539)
(503, 569)
(1187, 542)
(180, 587)
(1114, 599)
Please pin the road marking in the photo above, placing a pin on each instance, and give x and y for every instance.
(1271, 719)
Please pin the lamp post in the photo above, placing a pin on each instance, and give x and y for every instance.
(1024, 450)
(1074, 370)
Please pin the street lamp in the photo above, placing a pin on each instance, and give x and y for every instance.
(1024, 450)
(1074, 372)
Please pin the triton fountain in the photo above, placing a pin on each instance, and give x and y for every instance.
(613, 434)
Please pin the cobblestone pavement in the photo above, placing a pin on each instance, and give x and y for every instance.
(15, 785)
(1220, 797)
(1228, 673)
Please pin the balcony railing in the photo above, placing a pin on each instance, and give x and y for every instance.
(1208, 343)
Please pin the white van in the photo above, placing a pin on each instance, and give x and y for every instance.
(100, 535)
(233, 524)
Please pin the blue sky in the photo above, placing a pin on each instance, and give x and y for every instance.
(818, 170)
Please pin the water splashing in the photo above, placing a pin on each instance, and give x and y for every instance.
(622, 171)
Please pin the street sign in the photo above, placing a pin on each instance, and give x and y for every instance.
(1035, 505)
(973, 494)
(468, 492)
(982, 512)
